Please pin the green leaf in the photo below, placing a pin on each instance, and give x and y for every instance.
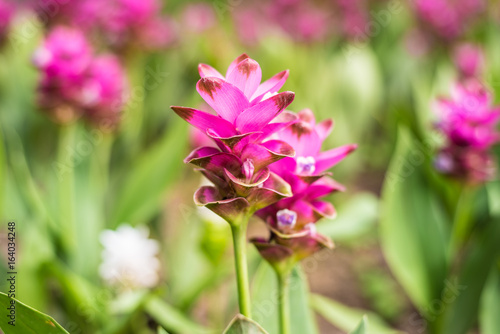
(489, 320)
(149, 178)
(265, 301)
(242, 325)
(171, 318)
(356, 218)
(362, 327)
(346, 318)
(413, 227)
(27, 320)
(162, 331)
(478, 263)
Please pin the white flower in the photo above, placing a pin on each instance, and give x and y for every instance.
(129, 258)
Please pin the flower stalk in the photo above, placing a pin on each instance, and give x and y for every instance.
(240, 261)
(284, 300)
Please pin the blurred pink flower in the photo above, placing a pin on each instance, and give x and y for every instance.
(102, 94)
(469, 59)
(470, 124)
(299, 19)
(448, 19)
(198, 17)
(291, 220)
(7, 11)
(120, 23)
(74, 81)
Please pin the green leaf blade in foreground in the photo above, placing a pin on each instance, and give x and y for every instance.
(171, 318)
(28, 320)
(362, 327)
(413, 225)
(243, 325)
(346, 318)
(151, 176)
(265, 301)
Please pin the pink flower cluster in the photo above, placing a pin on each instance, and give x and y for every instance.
(74, 81)
(265, 160)
(448, 19)
(469, 60)
(7, 11)
(120, 22)
(470, 124)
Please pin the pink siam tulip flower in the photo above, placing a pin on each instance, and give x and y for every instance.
(103, 90)
(470, 124)
(469, 60)
(238, 168)
(7, 11)
(299, 19)
(74, 82)
(120, 22)
(468, 118)
(291, 220)
(448, 19)
(198, 17)
(63, 60)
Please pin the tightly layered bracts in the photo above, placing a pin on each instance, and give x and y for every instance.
(246, 113)
(291, 221)
(469, 123)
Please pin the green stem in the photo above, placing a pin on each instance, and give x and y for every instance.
(66, 184)
(284, 302)
(463, 220)
(240, 261)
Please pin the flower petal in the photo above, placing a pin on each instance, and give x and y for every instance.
(235, 63)
(227, 100)
(259, 115)
(208, 71)
(215, 163)
(230, 209)
(232, 140)
(271, 252)
(328, 159)
(271, 85)
(273, 190)
(246, 76)
(204, 121)
(201, 152)
(265, 154)
(324, 128)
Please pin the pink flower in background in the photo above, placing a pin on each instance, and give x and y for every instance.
(448, 19)
(299, 19)
(353, 17)
(74, 81)
(468, 59)
(63, 59)
(468, 119)
(291, 220)
(7, 11)
(103, 90)
(198, 17)
(470, 123)
(120, 23)
(247, 113)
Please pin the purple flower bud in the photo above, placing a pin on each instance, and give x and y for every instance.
(248, 169)
(286, 219)
(306, 165)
